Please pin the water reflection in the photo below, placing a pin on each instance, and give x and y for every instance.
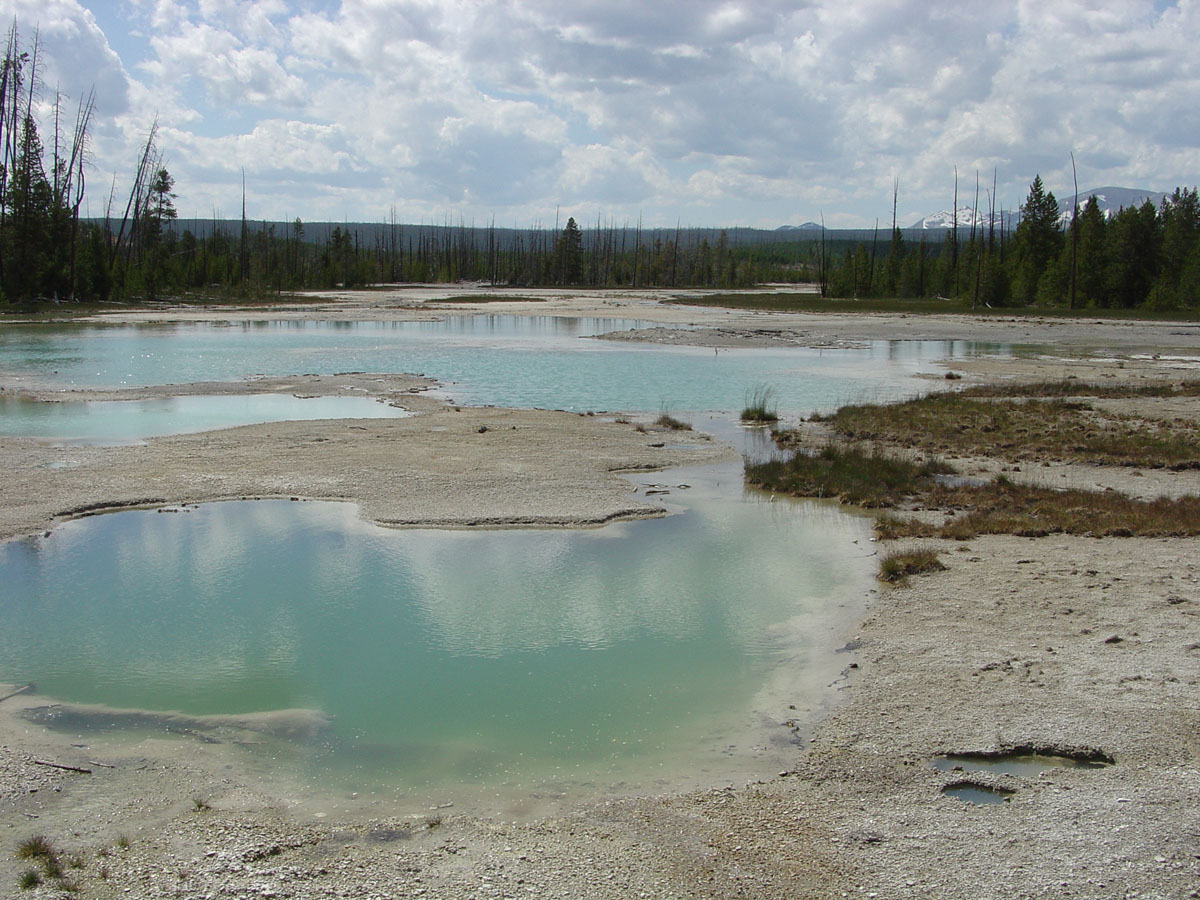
(519, 361)
(506, 651)
(124, 421)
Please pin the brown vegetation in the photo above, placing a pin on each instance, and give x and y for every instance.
(980, 423)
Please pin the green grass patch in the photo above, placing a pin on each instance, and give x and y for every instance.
(761, 408)
(895, 568)
(1003, 507)
(1053, 428)
(847, 473)
(29, 879)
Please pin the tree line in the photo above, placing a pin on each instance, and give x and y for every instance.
(1139, 257)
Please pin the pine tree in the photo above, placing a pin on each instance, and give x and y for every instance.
(29, 202)
(1039, 241)
(1089, 287)
(1180, 230)
(1132, 255)
(568, 253)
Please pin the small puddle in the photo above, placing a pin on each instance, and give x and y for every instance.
(979, 794)
(1023, 761)
(954, 481)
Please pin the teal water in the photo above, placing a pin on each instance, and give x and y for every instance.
(453, 664)
(416, 665)
(538, 361)
(121, 421)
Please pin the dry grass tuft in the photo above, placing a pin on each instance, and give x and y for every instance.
(895, 568)
(973, 423)
(1003, 507)
(668, 421)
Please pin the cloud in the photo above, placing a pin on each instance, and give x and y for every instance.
(712, 111)
(75, 53)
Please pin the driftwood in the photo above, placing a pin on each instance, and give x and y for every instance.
(19, 690)
(40, 762)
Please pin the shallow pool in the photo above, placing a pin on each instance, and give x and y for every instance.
(123, 421)
(522, 361)
(418, 667)
(423, 666)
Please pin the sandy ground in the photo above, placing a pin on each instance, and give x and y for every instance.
(465, 468)
(1070, 644)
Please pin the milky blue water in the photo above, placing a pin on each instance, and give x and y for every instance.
(522, 361)
(334, 658)
(433, 666)
(120, 421)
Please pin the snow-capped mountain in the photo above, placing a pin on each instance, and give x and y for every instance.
(1111, 200)
(966, 215)
(807, 226)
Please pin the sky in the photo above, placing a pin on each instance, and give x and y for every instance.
(702, 112)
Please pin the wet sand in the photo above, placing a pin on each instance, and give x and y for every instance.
(1075, 644)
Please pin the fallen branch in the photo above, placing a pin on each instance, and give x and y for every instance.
(39, 762)
(19, 690)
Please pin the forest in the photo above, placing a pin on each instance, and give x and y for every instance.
(1140, 257)
(138, 251)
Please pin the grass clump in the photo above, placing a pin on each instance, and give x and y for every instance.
(40, 849)
(895, 568)
(37, 847)
(668, 421)
(847, 473)
(1003, 507)
(1073, 387)
(1050, 428)
(29, 879)
(761, 408)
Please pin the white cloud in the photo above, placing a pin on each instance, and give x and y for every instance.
(712, 111)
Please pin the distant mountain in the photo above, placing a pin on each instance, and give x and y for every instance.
(1111, 200)
(807, 226)
(944, 218)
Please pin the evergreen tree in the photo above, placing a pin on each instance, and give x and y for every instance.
(1089, 285)
(29, 202)
(1131, 255)
(1180, 229)
(1039, 241)
(568, 254)
(890, 276)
